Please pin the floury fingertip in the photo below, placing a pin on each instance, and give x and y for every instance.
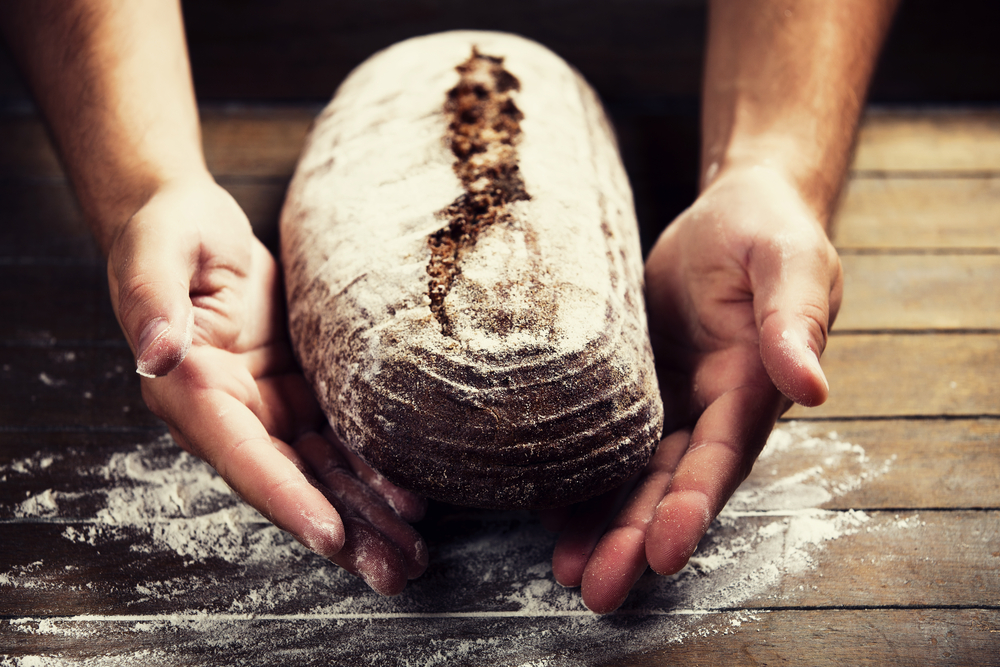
(325, 538)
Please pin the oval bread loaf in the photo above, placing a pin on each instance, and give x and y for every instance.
(464, 276)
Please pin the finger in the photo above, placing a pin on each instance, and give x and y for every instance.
(407, 504)
(287, 407)
(369, 555)
(796, 293)
(619, 559)
(286, 450)
(724, 444)
(149, 279)
(221, 430)
(586, 526)
(332, 471)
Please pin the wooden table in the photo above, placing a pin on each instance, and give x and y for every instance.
(869, 532)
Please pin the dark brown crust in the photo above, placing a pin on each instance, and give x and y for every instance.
(484, 128)
(516, 447)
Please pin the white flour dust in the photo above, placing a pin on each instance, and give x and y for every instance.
(177, 501)
(799, 470)
(489, 593)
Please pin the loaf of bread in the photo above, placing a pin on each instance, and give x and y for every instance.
(464, 276)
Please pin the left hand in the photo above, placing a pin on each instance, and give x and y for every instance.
(741, 290)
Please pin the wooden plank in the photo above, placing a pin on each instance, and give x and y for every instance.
(255, 141)
(898, 375)
(920, 139)
(483, 562)
(74, 387)
(238, 141)
(894, 141)
(265, 141)
(816, 637)
(870, 375)
(919, 292)
(914, 464)
(73, 468)
(51, 302)
(843, 637)
(261, 199)
(920, 213)
(40, 219)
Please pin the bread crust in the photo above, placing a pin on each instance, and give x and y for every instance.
(464, 276)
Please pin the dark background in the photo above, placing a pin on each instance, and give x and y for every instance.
(643, 56)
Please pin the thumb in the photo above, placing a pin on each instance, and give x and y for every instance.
(149, 278)
(796, 297)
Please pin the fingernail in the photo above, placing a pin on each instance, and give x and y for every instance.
(154, 330)
(814, 361)
(826, 383)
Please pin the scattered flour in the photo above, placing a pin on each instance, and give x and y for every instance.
(488, 595)
(176, 500)
(817, 469)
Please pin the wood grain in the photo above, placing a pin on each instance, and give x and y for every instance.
(75, 387)
(931, 214)
(913, 464)
(255, 141)
(920, 292)
(246, 140)
(41, 222)
(841, 637)
(905, 448)
(821, 637)
(48, 302)
(901, 463)
(63, 568)
(922, 140)
(899, 375)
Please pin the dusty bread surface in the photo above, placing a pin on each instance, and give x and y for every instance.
(464, 276)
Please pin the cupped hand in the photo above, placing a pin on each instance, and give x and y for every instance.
(200, 301)
(741, 291)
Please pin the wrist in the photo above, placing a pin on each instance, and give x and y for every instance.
(765, 193)
(110, 211)
(817, 180)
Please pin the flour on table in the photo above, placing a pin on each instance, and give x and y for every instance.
(488, 595)
(835, 468)
(173, 498)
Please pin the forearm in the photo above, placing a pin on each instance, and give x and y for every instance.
(785, 83)
(113, 81)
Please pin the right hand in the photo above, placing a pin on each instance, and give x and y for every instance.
(200, 301)
(741, 289)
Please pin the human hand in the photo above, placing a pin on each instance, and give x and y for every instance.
(741, 290)
(200, 301)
